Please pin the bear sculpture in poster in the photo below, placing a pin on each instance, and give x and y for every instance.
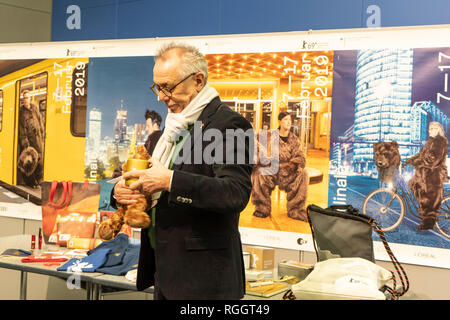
(27, 164)
(387, 159)
(133, 215)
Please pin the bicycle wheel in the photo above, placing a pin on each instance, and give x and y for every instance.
(386, 207)
(443, 221)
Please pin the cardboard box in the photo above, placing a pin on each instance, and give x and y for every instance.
(261, 258)
(246, 260)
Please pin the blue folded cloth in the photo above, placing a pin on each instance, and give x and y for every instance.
(116, 257)
(129, 262)
(118, 246)
(123, 257)
(87, 264)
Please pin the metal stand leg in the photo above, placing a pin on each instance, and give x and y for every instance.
(88, 290)
(96, 291)
(23, 285)
(99, 291)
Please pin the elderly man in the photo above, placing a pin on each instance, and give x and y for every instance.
(192, 250)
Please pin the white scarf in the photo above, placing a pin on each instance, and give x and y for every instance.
(177, 122)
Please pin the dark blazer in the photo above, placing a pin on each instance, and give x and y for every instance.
(198, 251)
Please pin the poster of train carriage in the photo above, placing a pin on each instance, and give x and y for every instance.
(389, 147)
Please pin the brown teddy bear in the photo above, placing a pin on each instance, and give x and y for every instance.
(133, 215)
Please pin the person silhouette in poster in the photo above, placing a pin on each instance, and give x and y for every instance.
(31, 143)
(291, 176)
(427, 184)
(152, 125)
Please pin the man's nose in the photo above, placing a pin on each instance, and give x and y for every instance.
(162, 96)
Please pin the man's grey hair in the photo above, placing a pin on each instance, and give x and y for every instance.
(193, 59)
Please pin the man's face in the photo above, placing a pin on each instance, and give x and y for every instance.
(26, 99)
(286, 123)
(150, 126)
(166, 75)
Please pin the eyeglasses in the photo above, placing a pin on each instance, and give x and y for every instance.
(168, 92)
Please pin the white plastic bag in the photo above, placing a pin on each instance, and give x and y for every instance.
(342, 279)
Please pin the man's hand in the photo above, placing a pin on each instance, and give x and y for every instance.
(125, 195)
(155, 179)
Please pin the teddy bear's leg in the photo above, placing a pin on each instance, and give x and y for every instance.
(263, 186)
(296, 194)
(135, 215)
(110, 228)
(105, 230)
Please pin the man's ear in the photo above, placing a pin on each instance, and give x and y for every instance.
(199, 81)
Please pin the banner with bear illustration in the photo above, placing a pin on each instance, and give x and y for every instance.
(389, 145)
(367, 127)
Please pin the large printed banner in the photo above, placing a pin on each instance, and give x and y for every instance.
(389, 147)
(257, 85)
(368, 128)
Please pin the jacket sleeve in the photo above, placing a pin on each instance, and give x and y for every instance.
(228, 188)
(23, 137)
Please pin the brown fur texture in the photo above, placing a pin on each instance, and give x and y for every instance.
(133, 215)
(31, 135)
(387, 159)
(291, 177)
(27, 164)
(427, 184)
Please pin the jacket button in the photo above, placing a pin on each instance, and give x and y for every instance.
(179, 199)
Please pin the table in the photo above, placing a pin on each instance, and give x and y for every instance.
(95, 281)
(14, 263)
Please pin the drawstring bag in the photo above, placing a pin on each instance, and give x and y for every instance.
(343, 232)
(340, 232)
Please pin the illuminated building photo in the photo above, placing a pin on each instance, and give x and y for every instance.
(385, 104)
(260, 86)
(115, 118)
